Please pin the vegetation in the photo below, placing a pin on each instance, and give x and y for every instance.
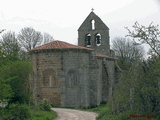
(127, 51)
(104, 113)
(16, 101)
(43, 115)
(24, 112)
(30, 38)
(149, 35)
(138, 89)
(44, 105)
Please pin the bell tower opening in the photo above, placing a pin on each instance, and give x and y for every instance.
(98, 39)
(93, 24)
(88, 40)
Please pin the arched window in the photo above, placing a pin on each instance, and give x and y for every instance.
(49, 78)
(88, 40)
(98, 39)
(93, 24)
(71, 79)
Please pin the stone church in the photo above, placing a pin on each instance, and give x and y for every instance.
(75, 76)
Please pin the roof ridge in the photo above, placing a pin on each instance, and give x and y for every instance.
(57, 44)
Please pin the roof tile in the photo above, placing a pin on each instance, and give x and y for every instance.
(59, 45)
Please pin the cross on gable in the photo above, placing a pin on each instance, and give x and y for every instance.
(92, 9)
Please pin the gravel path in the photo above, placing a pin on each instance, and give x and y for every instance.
(71, 114)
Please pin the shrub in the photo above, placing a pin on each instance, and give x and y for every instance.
(17, 112)
(44, 105)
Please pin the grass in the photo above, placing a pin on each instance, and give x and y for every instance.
(105, 114)
(43, 115)
(35, 114)
(101, 110)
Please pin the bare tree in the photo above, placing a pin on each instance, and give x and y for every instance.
(126, 49)
(2, 30)
(29, 38)
(47, 38)
(149, 35)
(10, 43)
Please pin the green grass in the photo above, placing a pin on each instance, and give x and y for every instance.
(105, 114)
(35, 114)
(101, 110)
(43, 115)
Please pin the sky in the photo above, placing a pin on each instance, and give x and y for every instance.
(62, 18)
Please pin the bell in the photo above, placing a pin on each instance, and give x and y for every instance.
(88, 37)
(98, 41)
(88, 42)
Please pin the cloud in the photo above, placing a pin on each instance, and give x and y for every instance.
(157, 3)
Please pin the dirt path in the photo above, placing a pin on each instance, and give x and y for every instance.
(69, 114)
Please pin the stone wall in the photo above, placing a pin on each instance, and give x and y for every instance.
(110, 64)
(71, 78)
(61, 76)
(45, 80)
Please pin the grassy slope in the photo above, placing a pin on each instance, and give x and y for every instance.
(101, 110)
(105, 114)
(43, 115)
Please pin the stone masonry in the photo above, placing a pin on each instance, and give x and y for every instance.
(75, 76)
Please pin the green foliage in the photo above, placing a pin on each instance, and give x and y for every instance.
(138, 89)
(6, 91)
(44, 105)
(23, 112)
(104, 113)
(43, 115)
(16, 76)
(14, 83)
(20, 85)
(17, 112)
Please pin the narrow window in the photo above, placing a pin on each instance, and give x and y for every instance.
(93, 24)
(72, 79)
(49, 78)
(50, 81)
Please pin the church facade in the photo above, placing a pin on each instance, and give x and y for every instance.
(75, 76)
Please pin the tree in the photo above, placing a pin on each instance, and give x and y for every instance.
(10, 43)
(47, 38)
(6, 91)
(149, 35)
(15, 76)
(14, 71)
(9, 48)
(14, 84)
(20, 70)
(127, 51)
(29, 38)
(2, 30)
(138, 89)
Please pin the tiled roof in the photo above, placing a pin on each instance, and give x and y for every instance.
(103, 56)
(56, 44)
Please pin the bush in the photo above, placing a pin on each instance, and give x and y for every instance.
(43, 115)
(44, 105)
(17, 112)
